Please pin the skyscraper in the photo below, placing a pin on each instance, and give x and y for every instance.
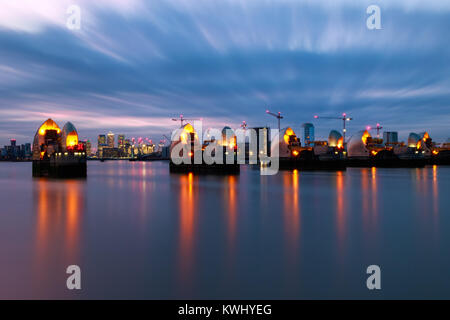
(27, 150)
(121, 141)
(308, 133)
(101, 140)
(88, 147)
(390, 137)
(110, 139)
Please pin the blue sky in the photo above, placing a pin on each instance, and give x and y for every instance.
(133, 65)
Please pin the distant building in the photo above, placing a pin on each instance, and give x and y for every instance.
(101, 143)
(165, 152)
(101, 140)
(127, 148)
(390, 137)
(26, 150)
(88, 147)
(109, 152)
(121, 140)
(15, 152)
(110, 140)
(308, 133)
(446, 144)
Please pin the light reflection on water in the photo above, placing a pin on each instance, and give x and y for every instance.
(187, 228)
(139, 232)
(59, 210)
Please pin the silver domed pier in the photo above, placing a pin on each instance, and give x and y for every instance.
(365, 151)
(313, 156)
(58, 153)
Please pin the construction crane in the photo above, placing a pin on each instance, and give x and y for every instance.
(378, 128)
(276, 115)
(344, 119)
(244, 125)
(181, 119)
(164, 139)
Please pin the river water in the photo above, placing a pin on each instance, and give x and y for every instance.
(137, 231)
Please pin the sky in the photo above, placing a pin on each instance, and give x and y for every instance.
(133, 65)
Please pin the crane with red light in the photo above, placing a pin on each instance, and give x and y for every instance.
(378, 128)
(181, 119)
(276, 115)
(344, 119)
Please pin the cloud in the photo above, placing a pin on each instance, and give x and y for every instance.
(33, 16)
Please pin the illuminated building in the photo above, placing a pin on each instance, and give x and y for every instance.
(15, 152)
(421, 143)
(110, 140)
(110, 152)
(88, 148)
(186, 154)
(47, 140)
(121, 140)
(292, 155)
(289, 145)
(357, 146)
(101, 141)
(147, 148)
(58, 153)
(308, 133)
(69, 136)
(363, 150)
(335, 139)
(127, 148)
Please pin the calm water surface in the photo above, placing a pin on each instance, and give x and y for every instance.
(138, 231)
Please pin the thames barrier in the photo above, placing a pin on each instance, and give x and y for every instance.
(58, 153)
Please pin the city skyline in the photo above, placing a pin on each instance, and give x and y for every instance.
(133, 66)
